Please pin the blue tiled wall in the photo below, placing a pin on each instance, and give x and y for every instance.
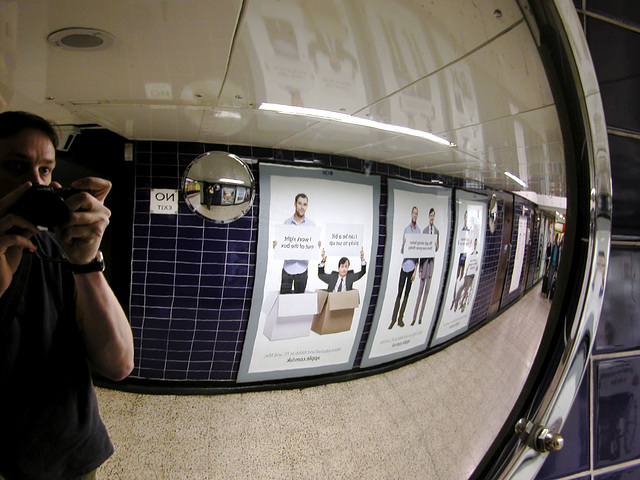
(191, 281)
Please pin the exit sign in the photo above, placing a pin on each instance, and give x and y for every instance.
(164, 202)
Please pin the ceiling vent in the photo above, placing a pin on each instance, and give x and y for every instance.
(81, 39)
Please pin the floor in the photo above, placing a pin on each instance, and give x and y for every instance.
(433, 419)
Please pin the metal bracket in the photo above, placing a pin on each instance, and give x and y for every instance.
(538, 437)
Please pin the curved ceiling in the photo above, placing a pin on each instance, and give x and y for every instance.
(198, 70)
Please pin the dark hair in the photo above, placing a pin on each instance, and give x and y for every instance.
(300, 195)
(343, 260)
(433, 210)
(13, 122)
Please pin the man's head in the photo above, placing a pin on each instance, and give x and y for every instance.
(343, 266)
(432, 216)
(414, 215)
(27, 150)
(301, 203)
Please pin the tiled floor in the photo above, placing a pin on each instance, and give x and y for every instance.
(433, 419)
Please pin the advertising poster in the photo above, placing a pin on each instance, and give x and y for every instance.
(418, 224)
(317, 239)
(464, 268)
(521, 243)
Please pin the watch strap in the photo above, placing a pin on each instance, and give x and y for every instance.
(97, 265)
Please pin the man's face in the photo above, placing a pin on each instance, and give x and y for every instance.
(343, 269)
(28, 155)
(414, 215)
(432, 216)
(301, 206)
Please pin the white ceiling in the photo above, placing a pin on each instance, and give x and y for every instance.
(196, 70)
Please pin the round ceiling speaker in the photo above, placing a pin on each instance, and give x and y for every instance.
(81, 39)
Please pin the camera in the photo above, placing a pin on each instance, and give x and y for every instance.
(44, 206)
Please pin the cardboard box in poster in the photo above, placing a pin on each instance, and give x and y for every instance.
(335, 311)
(290, 316)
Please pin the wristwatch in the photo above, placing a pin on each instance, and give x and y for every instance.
(96, 265)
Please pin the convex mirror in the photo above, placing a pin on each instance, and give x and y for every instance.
(218, 186)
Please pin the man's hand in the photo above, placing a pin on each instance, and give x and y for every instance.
(80, 237)
(15, 235)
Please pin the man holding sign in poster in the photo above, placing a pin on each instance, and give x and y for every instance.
(426, 269)
(294, 271)
(464, 237)
(342, 280)
(407, 273)
(473, 266)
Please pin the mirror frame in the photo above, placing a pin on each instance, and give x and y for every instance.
(217, 179)
(563, 358)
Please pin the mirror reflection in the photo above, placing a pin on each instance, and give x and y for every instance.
(465, 71)
(218, 186)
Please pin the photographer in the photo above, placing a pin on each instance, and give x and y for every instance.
(57, 315)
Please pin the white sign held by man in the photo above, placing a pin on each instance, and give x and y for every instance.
(420, 245)
(343, 240)
(291, 242)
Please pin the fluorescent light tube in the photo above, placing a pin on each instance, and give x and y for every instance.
(516, 179)
(351, 120)
(232, 180)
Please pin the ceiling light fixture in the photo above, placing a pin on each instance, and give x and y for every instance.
(516, 179)
(351, 120)
(232, 180)
(81, 39)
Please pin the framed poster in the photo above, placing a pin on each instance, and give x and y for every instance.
(317, 237)
(418, 224)
(464, 268)
(521, 243)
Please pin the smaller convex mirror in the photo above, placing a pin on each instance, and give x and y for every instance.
(218, 186)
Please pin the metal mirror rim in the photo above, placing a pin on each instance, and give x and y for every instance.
(552, 402)
(237, 209)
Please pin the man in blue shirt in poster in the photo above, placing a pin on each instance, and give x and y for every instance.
(294, 272)
(407, 273)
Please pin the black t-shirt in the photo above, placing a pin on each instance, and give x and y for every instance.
(49, 421)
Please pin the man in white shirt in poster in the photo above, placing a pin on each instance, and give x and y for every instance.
(295, 272)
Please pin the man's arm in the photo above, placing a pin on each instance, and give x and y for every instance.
(325, 277)
(104, 326)
(357, 276)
